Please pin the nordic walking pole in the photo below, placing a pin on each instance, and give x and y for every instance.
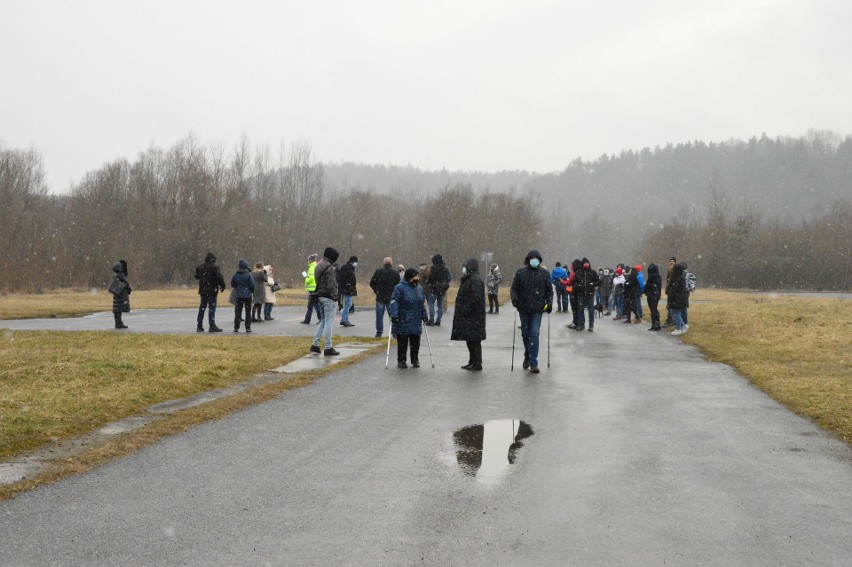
(514, 329)
(387, 358)
(429, 344)
(548, 339)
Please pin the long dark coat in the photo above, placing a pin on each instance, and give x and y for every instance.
(121, 302)
(677, 295)
(469, 314)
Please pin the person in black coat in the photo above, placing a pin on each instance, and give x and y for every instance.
(631, 291)
(439, 283)
(586, 281)
(348, 288)
(469, 315)
(382, 283)
(210, 283)
(653, 291)
(121, 300)
(532, 295)
(678, 297)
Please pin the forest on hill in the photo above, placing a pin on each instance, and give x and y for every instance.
(760, 214)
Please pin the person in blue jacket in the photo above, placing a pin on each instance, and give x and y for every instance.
(408, 313)
(243, 282)
(640, 278)
(560, 273)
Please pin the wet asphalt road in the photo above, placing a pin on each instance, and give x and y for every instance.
(640, 453)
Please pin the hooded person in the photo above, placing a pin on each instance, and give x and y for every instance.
(653, 291)
(327, 293)
(640, 290)
(586, 282)
(243, 283)
(469, 314)
(439, 283)
(348, 284)
(532, 295)
(121, 299)
(631, 292)
(678, 297)
(408, 312)
(492, 284)
(210, 284)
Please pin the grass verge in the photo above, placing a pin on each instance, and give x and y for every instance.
(798, 350)
(57, 385)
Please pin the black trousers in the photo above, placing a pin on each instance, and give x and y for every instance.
(655, 313)
(474, 349)
(242, 304)
(493, 303)
(402, 344)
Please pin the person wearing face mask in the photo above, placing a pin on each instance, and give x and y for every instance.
(469, 314)
(348, 288)
(408, 313)
(532, 295)
(606, 291)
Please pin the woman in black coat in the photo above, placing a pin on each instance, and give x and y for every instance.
(120, 300)
(469, 316)
(653, 290)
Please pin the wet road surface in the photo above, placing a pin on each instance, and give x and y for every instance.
(630, 450)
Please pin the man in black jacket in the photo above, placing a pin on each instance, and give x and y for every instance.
(532, 295)
(210, 283)
(348, 287)
(585, 282)
(439, 283)
(382, 283)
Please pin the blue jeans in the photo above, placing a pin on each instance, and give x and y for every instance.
(639, 306)
(347, 303)
(327, 322)
(207, 302)
(619, 305)
(677, 315)
(313, 304)
(530, 325)
(267, 310)
(380, 317)
(585, 304)
(431, 299)
(558, 293)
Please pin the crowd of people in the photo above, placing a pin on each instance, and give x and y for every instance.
(416, 298)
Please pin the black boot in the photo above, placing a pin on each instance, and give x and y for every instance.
(118, 322)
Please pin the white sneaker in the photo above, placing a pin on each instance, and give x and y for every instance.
(685, 329)
(676, 332)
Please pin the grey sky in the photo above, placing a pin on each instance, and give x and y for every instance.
(474, 85)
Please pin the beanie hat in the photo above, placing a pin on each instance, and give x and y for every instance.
(243, 264)
(353, 259)
(618, 271)
(638, 267)
(410, 273)
(331, 254)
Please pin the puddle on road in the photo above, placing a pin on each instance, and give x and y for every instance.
(486, 451)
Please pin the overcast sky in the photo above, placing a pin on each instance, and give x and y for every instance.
(472, 85)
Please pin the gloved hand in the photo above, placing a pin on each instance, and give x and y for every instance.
(548, 308)
(394, 319)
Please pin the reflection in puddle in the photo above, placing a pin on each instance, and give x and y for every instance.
(486, 451)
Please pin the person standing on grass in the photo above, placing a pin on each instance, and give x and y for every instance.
(439, 282)
(407, 311)
(259, 294)
(469, 314)
(210, 284)
(653, 290)
(243, 282)
(348, 289)
(669, 274)
(492, 282)
(382, 283)
(532, 295)
(121, 300)
(678, 298)
(327, 292)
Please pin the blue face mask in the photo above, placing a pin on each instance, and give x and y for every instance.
(534, 262)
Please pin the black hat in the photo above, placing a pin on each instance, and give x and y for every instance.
(331, 254)
(410, 273)
(353, 259)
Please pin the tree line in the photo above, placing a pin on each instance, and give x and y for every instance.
(164, 210)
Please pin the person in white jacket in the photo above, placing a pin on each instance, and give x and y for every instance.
(618, 293)
(269, 293)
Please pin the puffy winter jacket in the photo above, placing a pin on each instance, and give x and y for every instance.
(676, 293)
(408, 306)
(585, 282)
(382, 283)
(654, 285)
(243, 281)
(469, 314)
(209, 276)
(439, 276)
(531, 288)
(326, 276)
(121, 301)
(347, 281)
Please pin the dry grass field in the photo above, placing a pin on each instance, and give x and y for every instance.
(796, 349)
